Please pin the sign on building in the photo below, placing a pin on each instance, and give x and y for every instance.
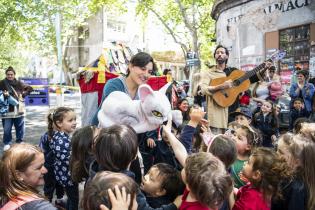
(39, 96)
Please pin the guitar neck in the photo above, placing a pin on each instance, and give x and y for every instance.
(253, 72)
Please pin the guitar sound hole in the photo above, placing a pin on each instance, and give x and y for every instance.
(236, 83)
(225, 94)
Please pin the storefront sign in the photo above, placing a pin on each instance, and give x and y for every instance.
(193, 62)
(286, 6)
(234, 19)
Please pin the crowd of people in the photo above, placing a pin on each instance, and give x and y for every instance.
(223, 158)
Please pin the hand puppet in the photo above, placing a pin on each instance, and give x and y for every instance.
(142, 115)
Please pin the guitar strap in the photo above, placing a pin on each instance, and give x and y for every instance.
(228, 70)
(11, 90)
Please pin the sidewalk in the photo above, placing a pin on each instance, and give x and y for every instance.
(36, 119)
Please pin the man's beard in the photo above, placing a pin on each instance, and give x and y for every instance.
(221, 61)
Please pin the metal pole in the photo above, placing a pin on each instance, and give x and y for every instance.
(59, 94)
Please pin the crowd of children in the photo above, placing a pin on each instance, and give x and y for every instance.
(187, 167)
(226, 171)
(245, 168)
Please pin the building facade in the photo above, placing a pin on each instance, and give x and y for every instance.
(105, 27)
(252, 30)
(99, 31)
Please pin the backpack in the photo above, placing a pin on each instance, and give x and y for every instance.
(20, 201)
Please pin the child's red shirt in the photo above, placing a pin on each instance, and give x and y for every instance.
(250, 198)
(196, 205)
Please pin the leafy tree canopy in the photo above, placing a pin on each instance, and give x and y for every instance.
(187, 21)
(31, 25)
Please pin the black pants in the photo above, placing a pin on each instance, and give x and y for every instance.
(73, 197)
(51, 185)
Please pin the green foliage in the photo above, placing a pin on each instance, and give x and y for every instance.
(187, 21)
(114, 6)
(11, 56)
(30, 24)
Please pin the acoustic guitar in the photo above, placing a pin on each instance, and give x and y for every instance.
(241, 83)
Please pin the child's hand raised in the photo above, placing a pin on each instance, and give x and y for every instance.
(120, 200)
(204, 125)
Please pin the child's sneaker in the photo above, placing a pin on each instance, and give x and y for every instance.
(6, 147)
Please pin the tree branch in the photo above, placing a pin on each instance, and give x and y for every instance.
(167, 27)
(207, 16)
(194, 16)
(184, 15)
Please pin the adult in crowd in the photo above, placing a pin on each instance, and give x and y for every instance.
(275, 87)
(312, 117)
(199, 99)
(21, 172)
(217, 115)
(303, 89)
(18, 90)
(183, 106)
(171, 92)
(140, 68)
(260, 92)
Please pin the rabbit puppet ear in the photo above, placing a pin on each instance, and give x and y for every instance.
(144, 90)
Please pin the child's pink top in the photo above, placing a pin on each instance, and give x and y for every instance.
(250, 198)
(196, 205)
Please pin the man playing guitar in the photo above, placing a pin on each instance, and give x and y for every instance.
(218, 115)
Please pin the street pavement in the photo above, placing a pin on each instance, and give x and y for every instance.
(36, 118)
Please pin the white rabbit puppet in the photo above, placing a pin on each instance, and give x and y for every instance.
(142, 115)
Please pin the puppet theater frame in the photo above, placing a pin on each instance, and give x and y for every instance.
(112, 63)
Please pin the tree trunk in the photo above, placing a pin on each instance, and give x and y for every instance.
(65, 63)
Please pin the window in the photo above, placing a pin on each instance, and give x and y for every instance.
(83, 33)
(296, 42)
(116, 26)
